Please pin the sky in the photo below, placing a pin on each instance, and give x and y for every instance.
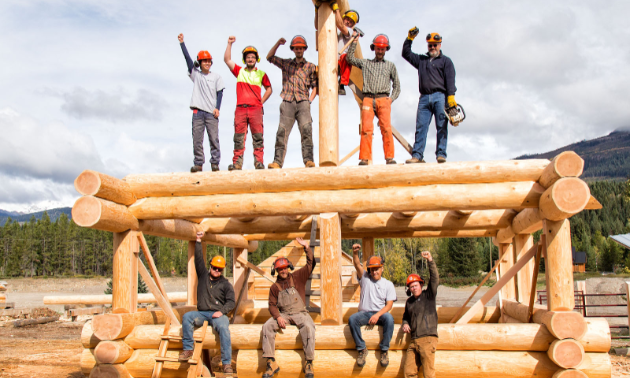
(103, 85)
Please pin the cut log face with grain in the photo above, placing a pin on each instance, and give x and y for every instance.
(448, 364)
(566, 353)
(110, 371)
(565, 198)
(566, 164)
(112, 352)
(561, 324)
(92, 183)
(88, 339)
(116, 326)
(569, 373)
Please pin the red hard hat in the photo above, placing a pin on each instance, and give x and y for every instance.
(281, 263)
(380, 40)
(375, 262)
(414, 278)
(203, 54)
(299, 41)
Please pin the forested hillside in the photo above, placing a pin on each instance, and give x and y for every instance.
(605, 158)
(53, 215)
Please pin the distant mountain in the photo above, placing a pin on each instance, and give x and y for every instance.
(52, 213)
(605, 158)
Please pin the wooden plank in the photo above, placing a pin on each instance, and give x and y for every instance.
(256, 269)
(162, 301)
(532, 293)
(461, 309)
(351, 154)
(403, 142)
(147, 256)
(505, 278)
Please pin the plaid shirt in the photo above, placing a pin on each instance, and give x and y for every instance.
(376, 74)
(297, 78)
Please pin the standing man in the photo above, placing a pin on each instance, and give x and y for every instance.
(205, 104)
(377, 75)
(420, 320)
(215, 299)
(436, 74)
(298, 77)
(287, 305)
(377, 298)
(249, 104)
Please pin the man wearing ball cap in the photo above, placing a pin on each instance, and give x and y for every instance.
(215, 299)
(287, 305)
(420, 320)
(436, 74)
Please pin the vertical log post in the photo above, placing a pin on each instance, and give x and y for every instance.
(328, 89)
(239, 272)
(125, 272)
(507, 261)
(522, 244)
(330, 257)
(192, 276)
(368, 249)
(560, 294)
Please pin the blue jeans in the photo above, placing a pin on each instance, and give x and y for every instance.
(429, 106)
(221, 325)
(362, 318)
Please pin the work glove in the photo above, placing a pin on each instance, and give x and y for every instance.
(413, 33)
(450, 100)
(318, 3)
(334, 6)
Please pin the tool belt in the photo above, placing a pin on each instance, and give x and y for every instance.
(246, 106)
(375, 95)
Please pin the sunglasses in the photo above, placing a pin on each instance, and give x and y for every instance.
(217, 269)
(432, 44)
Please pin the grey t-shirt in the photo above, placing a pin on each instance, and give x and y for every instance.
(344, 39)
(375, 294)
(205, 88)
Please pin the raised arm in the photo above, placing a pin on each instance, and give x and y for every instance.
(409, 55)
(354, 61)
(305, 271)
(189, 61)
(200, 264)
(355, 260)
(273, 50)
(434, 279)
(227, 57)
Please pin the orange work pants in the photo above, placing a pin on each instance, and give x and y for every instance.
(382, 108)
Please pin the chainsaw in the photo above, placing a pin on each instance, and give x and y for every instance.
(455, 114)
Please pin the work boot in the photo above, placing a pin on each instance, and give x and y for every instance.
(272, 368)
(274, 165)
(308, 369)
(363, 162)
(234, 167)
(259, 165)
(309, 164)
(227, 369)
(361, 358)
(185, 355)
(441, 159)
(215, 167)
(384, 358)
(390, 161)
(342, 90)
(196, 168)
(414, 160)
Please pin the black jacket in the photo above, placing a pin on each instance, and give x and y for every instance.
(437, 75)
(421, 313)
(212, 295)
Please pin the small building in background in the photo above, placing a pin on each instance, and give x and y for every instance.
(579, 261)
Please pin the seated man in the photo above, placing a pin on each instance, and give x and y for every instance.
(420, 320)
(377, 298)
(215, 299)
(287, 305)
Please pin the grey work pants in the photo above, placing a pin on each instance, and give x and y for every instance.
(290, 111)
(205, 122)
(305, 324)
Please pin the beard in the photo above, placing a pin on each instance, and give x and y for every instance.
(434, 53)
(251, 65)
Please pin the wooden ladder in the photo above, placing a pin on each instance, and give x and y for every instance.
(308, 291)
(195, 368)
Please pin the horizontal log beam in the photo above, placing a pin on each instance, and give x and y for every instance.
(395, 199)
(107, 299)
(92, 183)
(333, 178)
(566, 164)
(561, 324)
(448, 364)
(371, 222)
(380, 235)
(523, 337)
(565, 198)
(104, 215)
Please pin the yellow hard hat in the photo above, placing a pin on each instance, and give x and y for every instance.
(434, 38)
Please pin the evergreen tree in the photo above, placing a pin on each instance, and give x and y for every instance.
(142, 287)
(463, 257)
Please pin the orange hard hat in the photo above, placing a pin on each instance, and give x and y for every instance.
(299, 41)
(218, 262)
(375, 262)
(380, 40)
(414, 278)
(203, 54)
(251, 50)
(434, 38)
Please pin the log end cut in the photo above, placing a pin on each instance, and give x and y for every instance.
(567, 325)
(569, 373)
(567, 353)
(568, 164)
(109, 327)
(110, 371)
(88, 183)
(568, 196)
(86, 212)
(112, 352)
